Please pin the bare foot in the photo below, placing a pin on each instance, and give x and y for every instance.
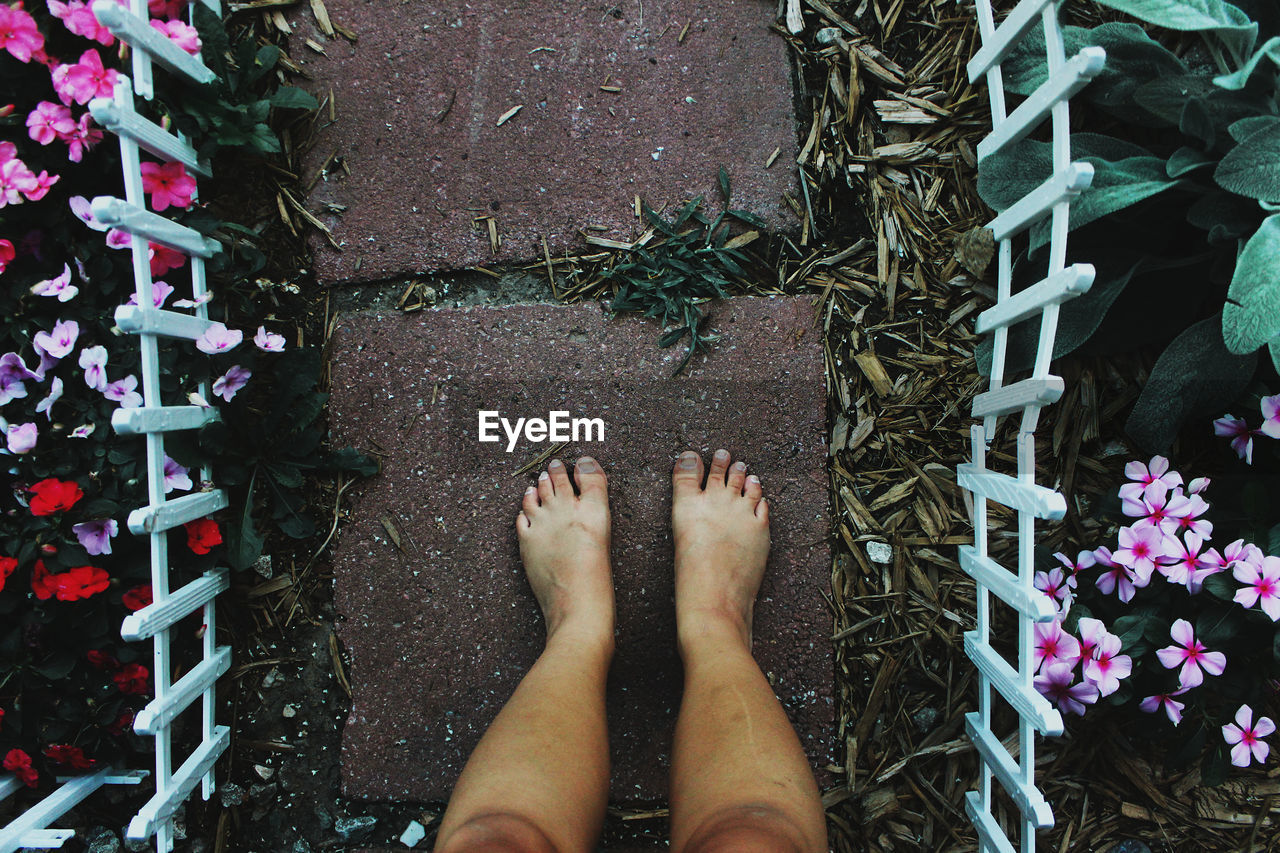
(564, 543)
(721, 544)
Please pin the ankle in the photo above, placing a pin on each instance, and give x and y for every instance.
(589, 636)
(712, 628)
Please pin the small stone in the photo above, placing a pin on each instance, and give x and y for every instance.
(289, 712)
(301, 846)
(925, 719)
(261, 791)
(263, 566)
(412, 834)
(99, 839)
(879, 552)
(272, 678)
(354, 827)
(264, 772)
(232, 795)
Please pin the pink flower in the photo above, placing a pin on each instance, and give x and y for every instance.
(1139, 549)
(22, 437)
(6, 254)
(1144, 475)
(88, 79)
(1053, 644)
(169, 184)
(219, 339)
(1271, 416)
(119, 239)
(18, 32)
(1247, 737)
(1106, 666)
(44, 183)
(83, 210)
(268, 341)
(60, 287)
(84, 138)
(1191, 655)
(55, 393)
(1190, 519)
(79, 19)
(1261, 585)
(169, 9)
(49, 121)
(160, 291)
(1119, 579)
(1157, 506)
(95, 536)
(1182, 557)
(175, 476)
(124, 391)
(16, 180)
(181, 34)
(1084, 560)
(229, 383)
(59, 341)
(1172, 707)
(1240, 433)
(1054, 682)
(1053, 583)
(94, 362)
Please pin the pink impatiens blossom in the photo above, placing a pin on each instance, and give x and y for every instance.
(1054, 683)
(169, 184)
(1053, 644)
(1247, 737)
(1106, 666)
(175, 476)
(229, 383)
(18, 32)
(22, 438)
(124, 391)
(16, 181)
(268, 341)
(59, 341)
(95, 536)
(164, 259)
(181, 34)
(1140, 548)
(1271, 416)
(59, 286)
(1157, 470)
(83, 209)
(168, 9)
(118, 238)
(160, 291)
(219, 339)
(7, 254)
(1191, 655)
(43, 183)
(94, 362)
(49, 121)
(1240, 433)
(82, 139)
(1261, 585)
(1172, 707)
(77, 17)
(55, 394)
(88, 79)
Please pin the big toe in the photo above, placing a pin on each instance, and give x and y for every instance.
(686, 477)
(592, 483)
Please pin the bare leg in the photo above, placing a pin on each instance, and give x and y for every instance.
(538, 779)
(739, 779)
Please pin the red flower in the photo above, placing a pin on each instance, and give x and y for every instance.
(138, 597)
(72, 755)
(202, 534)
(101, 660)
(124, 721)
(6, 254)
(81, 582)
(53, 495)
(164, 259)
(43, 584)
(20, 763)
(7, 565)
(132, 678)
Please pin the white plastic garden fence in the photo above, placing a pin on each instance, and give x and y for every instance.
(152, 420)
(1025, 397)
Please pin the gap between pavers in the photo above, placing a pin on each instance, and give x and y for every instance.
(438, 619)
(417, 164)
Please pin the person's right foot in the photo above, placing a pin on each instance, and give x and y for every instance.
(721, 534)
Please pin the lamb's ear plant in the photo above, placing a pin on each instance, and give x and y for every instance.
(1182, 220)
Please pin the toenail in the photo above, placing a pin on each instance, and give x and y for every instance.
(739, 466)
(722, 454)
(688, 460)
(555, 463)
(587, 465)
(544, 476)
(753, 479)
(531, 490)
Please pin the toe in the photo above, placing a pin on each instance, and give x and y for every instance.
(545, 489)
(719, 465)
(522, 521)
(530, 502)
(752, 489)
(590, 478)
(687, 475)
(560, 478)
(737, 477)
(762, 511)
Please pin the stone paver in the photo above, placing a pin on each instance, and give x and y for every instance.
(439, 621)
(417, 100)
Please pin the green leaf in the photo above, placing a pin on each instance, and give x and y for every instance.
(1195, 376)
(293, 98)
(1186, 159)
(1222, 19)
(723, 178)
(1251, 315)
(1216, 764)
(244, 544)
(1220, 586)
(1168, 98)
(57, 666)
(1252, 168)
(1273, 347)
(350, 459)
(1238, 80)
(1242, 129)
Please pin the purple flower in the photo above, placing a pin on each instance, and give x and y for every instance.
(1158, 506)
(1191, 655)
(12, 365)
(1139, 549)
(83, 210)
(22, 437)
(1247, 737)
(60, 287)
(95, 536)
(94, 362)
(1240, 433)
(1157, 470)
(1084, 560)
(219, 339)
(1053, 583)
(1182, 557)
(55, 393)
(1054, 682)
(1119, 579)
(1172, 707)
(160, 291)
(229, 383)
(1261, 585)
(82, 431)
(58, 342)
(1271, 416)
(175, 476)
(124, 391)
(268, 341)
(119, 239)
(11, 389)
(1052, 644)
(1106, 666)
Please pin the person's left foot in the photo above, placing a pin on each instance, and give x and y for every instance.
(564, 543)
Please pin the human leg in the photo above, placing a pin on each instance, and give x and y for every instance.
(538, 779)
(739, 778)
